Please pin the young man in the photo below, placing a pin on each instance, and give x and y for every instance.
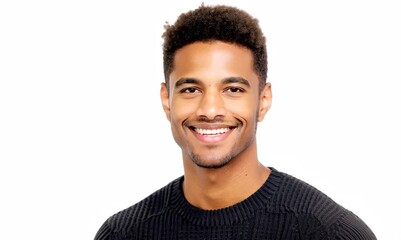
(214, 95)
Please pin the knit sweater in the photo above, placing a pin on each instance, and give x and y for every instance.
(283, 208)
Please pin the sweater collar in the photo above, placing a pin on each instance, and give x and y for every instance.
(229, 215)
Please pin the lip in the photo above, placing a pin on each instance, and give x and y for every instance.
(211, 138)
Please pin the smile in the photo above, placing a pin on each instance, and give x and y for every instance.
(217, 131)
(212, 135)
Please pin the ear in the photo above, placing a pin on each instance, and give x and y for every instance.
(164, 96)
(265, 101)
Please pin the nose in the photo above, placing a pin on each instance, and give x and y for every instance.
(211, 105)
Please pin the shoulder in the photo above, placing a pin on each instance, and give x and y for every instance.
(350, 226)
(316, 211)
(299, 197)
(130, 218)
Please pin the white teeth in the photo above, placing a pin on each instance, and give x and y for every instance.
(211, 131)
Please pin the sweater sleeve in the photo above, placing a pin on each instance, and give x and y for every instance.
(351, 227)
(104, 232)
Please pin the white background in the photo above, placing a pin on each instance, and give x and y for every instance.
(83, 134)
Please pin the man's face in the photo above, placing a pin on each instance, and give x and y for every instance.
(213, 102)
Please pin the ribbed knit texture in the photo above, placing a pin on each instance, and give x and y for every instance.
(283, 208)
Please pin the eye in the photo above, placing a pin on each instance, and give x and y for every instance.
(235, 90)
(189, 90)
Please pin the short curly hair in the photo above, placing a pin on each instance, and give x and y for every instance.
(216, 23)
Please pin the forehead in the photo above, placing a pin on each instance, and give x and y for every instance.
(214, 60)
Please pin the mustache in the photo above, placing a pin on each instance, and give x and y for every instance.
(215, 120)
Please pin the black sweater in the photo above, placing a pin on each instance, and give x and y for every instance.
(283, 208)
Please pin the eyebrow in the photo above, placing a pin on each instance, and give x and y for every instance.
(228, 80)
(183, 81)
(237, 80)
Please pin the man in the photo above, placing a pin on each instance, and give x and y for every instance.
(215, 93)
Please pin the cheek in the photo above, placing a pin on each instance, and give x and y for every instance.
(246, 109)
(181, 110)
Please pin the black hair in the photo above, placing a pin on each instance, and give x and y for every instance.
(216, 23)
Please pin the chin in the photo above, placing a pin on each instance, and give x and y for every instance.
(210, 162)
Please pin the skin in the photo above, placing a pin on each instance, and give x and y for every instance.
(214, 105)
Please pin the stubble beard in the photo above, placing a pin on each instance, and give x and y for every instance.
(222, 161)
(215, 162)
(218, 162)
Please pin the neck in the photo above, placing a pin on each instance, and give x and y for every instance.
(223, 187)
